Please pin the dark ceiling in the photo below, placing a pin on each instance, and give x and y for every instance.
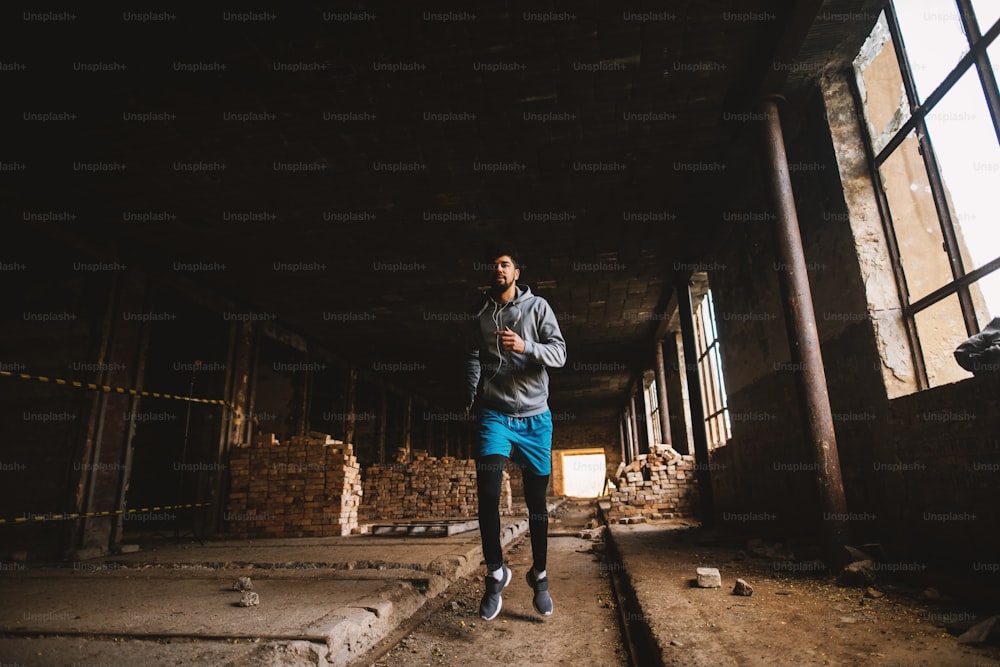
(553, 125)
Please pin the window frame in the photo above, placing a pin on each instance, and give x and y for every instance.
(715, 399)
(961, 281)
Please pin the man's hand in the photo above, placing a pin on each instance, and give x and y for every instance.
(510, 341)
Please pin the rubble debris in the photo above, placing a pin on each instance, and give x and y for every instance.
(742, 588)
(658, 485)
(860, 574)
(243, 584)
(979, 632)
(249, 599)
(709, 577)
(592, 533)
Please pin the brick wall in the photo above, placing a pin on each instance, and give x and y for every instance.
(310, 487)
(945, 466)
(658, 485)
(427, 487)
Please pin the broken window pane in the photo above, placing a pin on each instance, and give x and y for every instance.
(882, 95)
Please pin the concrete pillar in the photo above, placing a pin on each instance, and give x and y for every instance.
(661, 394)
(633, 424)
(804, 342)
(383, 416)
(621, 439)
(408, 426)
(685, 313)
(350, 405)
(125, 352)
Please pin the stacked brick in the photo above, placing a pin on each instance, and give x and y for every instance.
(658, 485)
(427, 487)
(309, 487)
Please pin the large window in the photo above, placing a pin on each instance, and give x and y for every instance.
(653, 408)
(932, 110)
(713, 388)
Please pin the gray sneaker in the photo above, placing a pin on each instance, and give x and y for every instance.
(542, 601)
(493, 598)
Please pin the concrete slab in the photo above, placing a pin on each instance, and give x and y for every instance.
(323, 601)
(168, 603)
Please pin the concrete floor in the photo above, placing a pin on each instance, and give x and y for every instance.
(323, 601)
(329, 601)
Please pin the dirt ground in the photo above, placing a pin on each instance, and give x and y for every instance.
(796, 616)
(583, 628)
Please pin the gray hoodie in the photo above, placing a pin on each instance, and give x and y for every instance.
(508, 382)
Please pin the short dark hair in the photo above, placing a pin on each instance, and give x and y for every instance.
(499, 249)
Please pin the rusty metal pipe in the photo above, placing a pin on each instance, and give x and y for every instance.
(804, 343)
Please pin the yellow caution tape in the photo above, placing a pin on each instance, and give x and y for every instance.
(38, 518)
(118, 390)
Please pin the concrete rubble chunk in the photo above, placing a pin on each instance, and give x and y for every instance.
(249, 599)
(243, 584)
(709, 577)
(742, 588)
(979, 632)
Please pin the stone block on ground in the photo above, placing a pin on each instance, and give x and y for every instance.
(709, 577)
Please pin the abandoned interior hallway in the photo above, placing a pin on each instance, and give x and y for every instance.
(245, 251)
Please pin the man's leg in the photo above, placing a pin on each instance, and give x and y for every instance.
(489, 478)
(535, 487)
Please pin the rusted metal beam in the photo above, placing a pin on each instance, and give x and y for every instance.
(803, 340)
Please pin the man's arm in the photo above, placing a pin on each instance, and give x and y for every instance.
(550, 348)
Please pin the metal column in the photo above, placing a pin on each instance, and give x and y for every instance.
(803, 340)
(661, 395)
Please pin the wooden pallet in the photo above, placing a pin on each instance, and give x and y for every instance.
(425, 528)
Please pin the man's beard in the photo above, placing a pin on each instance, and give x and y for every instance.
(500, 287)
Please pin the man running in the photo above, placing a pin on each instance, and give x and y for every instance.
(515, 336)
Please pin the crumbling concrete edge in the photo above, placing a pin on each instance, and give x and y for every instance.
(350, 638)
(636, 630)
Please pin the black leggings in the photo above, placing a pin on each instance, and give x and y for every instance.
(489, 479)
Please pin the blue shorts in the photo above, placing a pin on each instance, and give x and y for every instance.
(527, 441)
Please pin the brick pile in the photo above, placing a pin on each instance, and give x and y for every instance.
(426, 487)
(309, 487)
(658, 485)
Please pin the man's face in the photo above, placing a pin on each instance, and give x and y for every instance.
(504, 273)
